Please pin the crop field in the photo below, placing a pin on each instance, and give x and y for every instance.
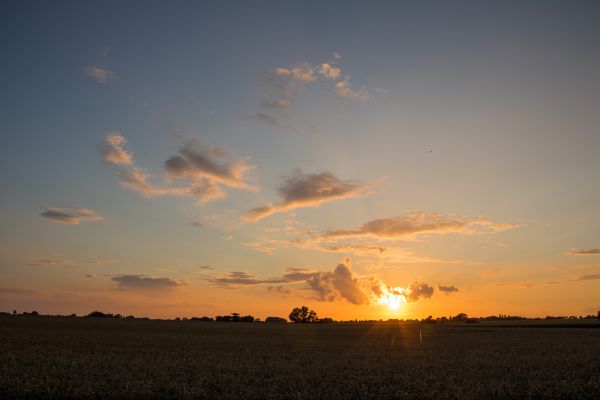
(52, 357)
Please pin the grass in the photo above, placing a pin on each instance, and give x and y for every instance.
(49, 357)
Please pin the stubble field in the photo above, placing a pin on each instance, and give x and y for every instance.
(48, 357)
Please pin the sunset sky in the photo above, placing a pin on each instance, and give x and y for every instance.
(366, 159)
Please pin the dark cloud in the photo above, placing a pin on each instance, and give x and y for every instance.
(71, 215)
(418, 290)
(418, 222)
(143, 282)
(197, 163)
(447, 289)
(338, 284)
(309, 190)
(587, 277)
(584, 252)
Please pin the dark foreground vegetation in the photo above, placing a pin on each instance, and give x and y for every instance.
(103, 358)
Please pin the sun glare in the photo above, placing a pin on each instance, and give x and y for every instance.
(392, 297)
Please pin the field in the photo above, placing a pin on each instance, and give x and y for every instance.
(51, 357)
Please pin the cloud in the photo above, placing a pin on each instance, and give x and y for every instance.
(338, 284)
(309, 190)
(284, 82)
(341, 283)
(584, 252)
(329, 71)
(101, 73)
(281, 290)
(97, 262)
(202, 169)
(112, 150)
(71, 215)
(89, 275)
(142, 282)
(587, 277)
(52, 261)
(15, 291)
(202, 163)
(417, 290)
(417, 223)
(447, 289)
(343, 88)
(302, 73)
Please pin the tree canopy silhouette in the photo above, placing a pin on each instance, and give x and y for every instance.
(303, 315)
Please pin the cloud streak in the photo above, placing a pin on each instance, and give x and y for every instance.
(309, 190)
(142, 282)
(418, 223)
(584, 252)
(71, 215)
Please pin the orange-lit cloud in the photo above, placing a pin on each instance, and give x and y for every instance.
(71, 215)
(112, 150)
(447, 289)
(101, 73)
(418, 222)
(202, 169)
(310, 190)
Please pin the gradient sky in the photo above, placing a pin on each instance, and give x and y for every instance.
(200, 158)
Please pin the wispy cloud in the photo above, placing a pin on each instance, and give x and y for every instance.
(201, 169)
(71, 215)
(99, 72)
(417, 223)
(142, 282)
(587, 277)
(584, 252)
(310, 190)
(15, 291)
(285, 82)
(52, 261)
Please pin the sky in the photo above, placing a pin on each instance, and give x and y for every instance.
(370, 160)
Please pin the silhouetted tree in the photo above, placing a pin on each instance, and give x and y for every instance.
(303, 315)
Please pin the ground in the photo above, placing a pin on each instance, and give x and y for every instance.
(51, 357)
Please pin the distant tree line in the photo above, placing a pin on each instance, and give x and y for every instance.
(304, 315)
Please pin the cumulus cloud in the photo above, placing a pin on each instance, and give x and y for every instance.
(142, 282)
(447, 289)
(202, 169)
(112, 150)
(584, 252)
(336, 284)
(71, 215)
(309, 190)
(341, 283)
(418, 222)
(101, 73)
